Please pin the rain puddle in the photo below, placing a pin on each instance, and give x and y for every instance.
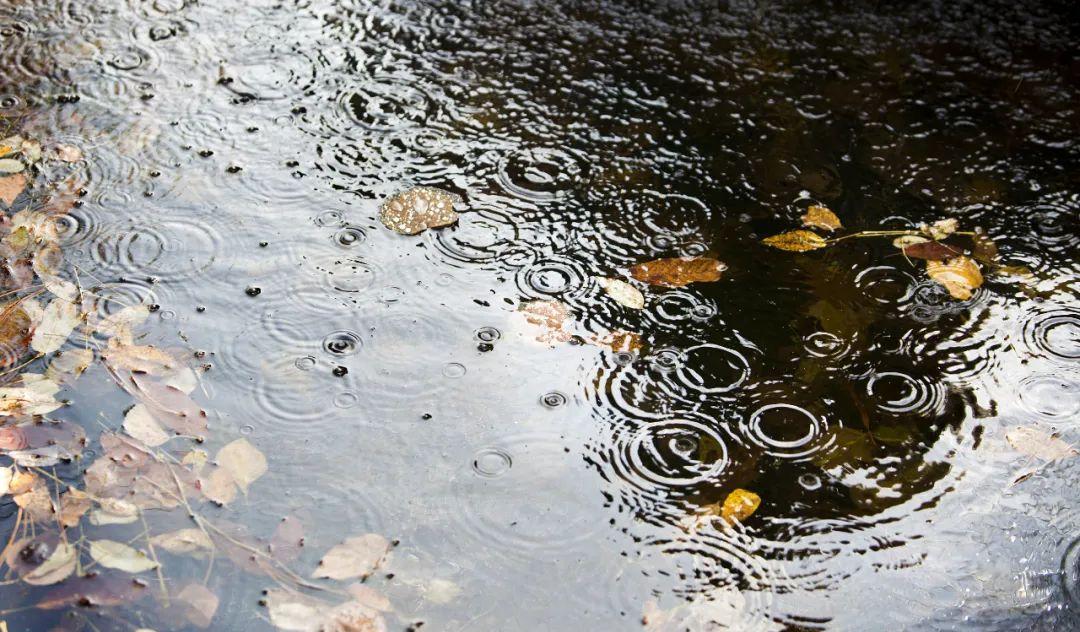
(538, 316)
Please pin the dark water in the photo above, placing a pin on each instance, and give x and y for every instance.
(548, 487)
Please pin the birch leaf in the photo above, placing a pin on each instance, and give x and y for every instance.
(821, 217)
(243, 462)
(57, 322)
(141, 425)
(1039, 444)
(908, 240)
(193, 542)
(68, 153)
(57, 567)
(959, 275)
(796, 241)
(355, 557)
(622, 292)
(201, 604)
(112, 554)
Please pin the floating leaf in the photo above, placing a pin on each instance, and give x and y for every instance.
(300, 613)
(142, 359)
(27, 400)
(68, 153)
(242, 461)
(940, 229)
(355, 557)
(739, 505)
(959, 275)
(931, 251)
(73, 504)
(193, 542)
(10, 145)
(552, 317)
(821, 217)
(31, 150)
(57, 322)
(68, 365)
(623, 293)
(678, 271)
(796, 241)
(908, 240)
(201, 604)
(15, 326)
(114, 511)
(140, 424)
(419, 209)
(10, 165)
(11, 187)
(1038, 444)
(629, 341)
(92, 591)
(218, 486)
(59, 566)
(112, 554)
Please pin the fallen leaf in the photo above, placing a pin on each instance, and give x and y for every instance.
(31, 149)
(112, 554)
(372, 598)
(68, 365)
(287, 540)
(140, 424)
(552, 317)
(984, 250)
(355, 557)
(617, 341)
(122, 322)
(193, 542)
(931, 251)
(623, 293)
(796, 241)
(15, 334)
(114, 511)
(821, 217)
(56, 568)
(142, 359)
(73, 504)
(24, 400)
(242, 461)
(57, 322)
(959, 275)
(300, 613)
(68, 153)
(218, 486)
(678, 271)
(1038, 444)
(201, 604)
(10, 165)
(739, 505)
(940, 229)
(10, 145)
(6, 474)
(36, 502)
(417, 210)
(93, 590)
(908, 240)
(11, 187)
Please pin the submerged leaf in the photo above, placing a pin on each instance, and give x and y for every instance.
(355, 557)
(623, 293)
(678, 271)
(1038, 444)
(739, 505)
(243, 462)
(201, 604)
(960, 275)
(57, 322)
(821, 217)
(140, 424)
(112, 554)
(418, 209)
(931, 251)
(796, 241)
(193, 542)
(11, 187)
(56, 568)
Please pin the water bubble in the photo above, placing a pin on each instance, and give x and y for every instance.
(453, 370)
(330, 218)
(342, 343)
(305, 363)
(624, 358)
(349, 236)
(391, 294)
(810, 482)
(247, 429)
(667, 359)
(491, 462)
(345, 399)
(487, 334)
(340, 371)
(553, 399)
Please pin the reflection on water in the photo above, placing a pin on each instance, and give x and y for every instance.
(236, 155)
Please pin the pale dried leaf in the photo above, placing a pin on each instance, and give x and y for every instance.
(11, 187)
(59, 319)
(10, 165)
(6, 474)
(123, 321)
(193, 542)
(114, 511)
(57, 567)
(68, 153)
(242, 461)
(821, 217)
(112, 554)
(355, 557)
(1038, 444)
(940, 229)
(201, 604)
(218, 485)
(908, 240)
(622, 292)
(140, 424)
(73, 504)
(69, 365)
(417, 210)
(551, 317)
(294, 612)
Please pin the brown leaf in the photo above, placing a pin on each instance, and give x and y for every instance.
(11, 187)
(244, 462)
(679, 271)
(619, 341)
(14, 334)
(193, 542)
(201, 604)
(821, 217)
(355, 557)
(906, 240)
(417, 210)
(932, 251)
(796, 241)
(1038, 444)
(959, 275)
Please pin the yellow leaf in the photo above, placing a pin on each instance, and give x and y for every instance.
(623, 293)
(959, 275)
(821, 217)
(796, 241)
(739, 505)
(940, 229)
